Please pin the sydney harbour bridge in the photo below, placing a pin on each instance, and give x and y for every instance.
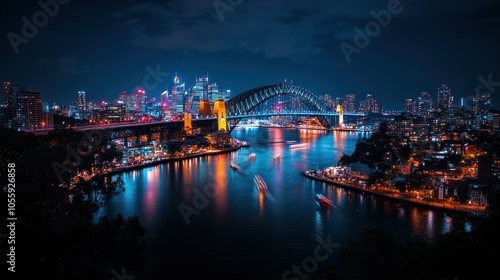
(260, 102)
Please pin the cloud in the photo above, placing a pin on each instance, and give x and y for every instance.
(300, 31)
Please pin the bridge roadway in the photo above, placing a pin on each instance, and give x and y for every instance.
(200, 122)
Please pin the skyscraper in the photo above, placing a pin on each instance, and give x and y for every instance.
(178, 94)
(82, 102)
(29, 109)
(369, 105)
(424, 104)
(445, 97)
(140, 100)
(7, 109)
(7, 94)
(164, 98)
(349, 103)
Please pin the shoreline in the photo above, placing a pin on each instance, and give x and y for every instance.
(440, 206)
(171, 159)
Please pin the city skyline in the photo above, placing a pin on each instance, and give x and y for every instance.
(57, 48)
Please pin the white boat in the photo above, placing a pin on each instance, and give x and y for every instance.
(234, 166)
(259, 183)
(252, 156)
(323, 201)
(276, 157)
(299, 146)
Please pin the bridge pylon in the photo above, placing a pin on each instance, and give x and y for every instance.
(204, 109)
(188, 126)
(340, 110)
(220, 111)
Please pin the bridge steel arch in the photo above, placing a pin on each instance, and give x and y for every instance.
(245, 102)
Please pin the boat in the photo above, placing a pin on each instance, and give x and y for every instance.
(260, 184)
(252, 156)
(277, 157)
(323, 201)
(234, 166)
(299, 146)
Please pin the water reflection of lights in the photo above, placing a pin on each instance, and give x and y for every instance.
(447, 223)
(319, 223)
(430, 219)
(152, 189)
(339, 195)
(261, 203)
(468, 226)
(401, 212)
(313, 131)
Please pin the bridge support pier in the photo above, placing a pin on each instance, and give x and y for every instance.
(220, 112)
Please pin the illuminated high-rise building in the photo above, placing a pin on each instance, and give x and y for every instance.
(29, 110)
(82, 102)
(178, 95)
(7, 108)
(164, 99)
(213, 93)
(8, 94)
(445, 99)
(424, 104)
(140, 100)
(349, 103)
(409, 106)
(369, 105)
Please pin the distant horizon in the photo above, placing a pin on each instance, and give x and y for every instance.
(157, 96)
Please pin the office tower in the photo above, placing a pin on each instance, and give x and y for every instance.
(122, 96)
(178, 95)
(129, 101)
(424, 104)
(410, 106)
(114, 112)
(7, 109)
(213, 93)
(82, 102)
(349, 103)
(164, 99)
(140, 100)
(8, 94)
(29, 109)
(369, 105)
(445, 98)
(481, 103)
(201, 87)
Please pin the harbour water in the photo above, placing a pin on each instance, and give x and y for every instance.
(204, 219)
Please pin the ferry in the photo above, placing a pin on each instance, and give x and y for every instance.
(323, 201)
(259, 183)
(234, 166)
(252, 156)
(299, 146)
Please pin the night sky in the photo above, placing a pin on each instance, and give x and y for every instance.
(106, 47)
